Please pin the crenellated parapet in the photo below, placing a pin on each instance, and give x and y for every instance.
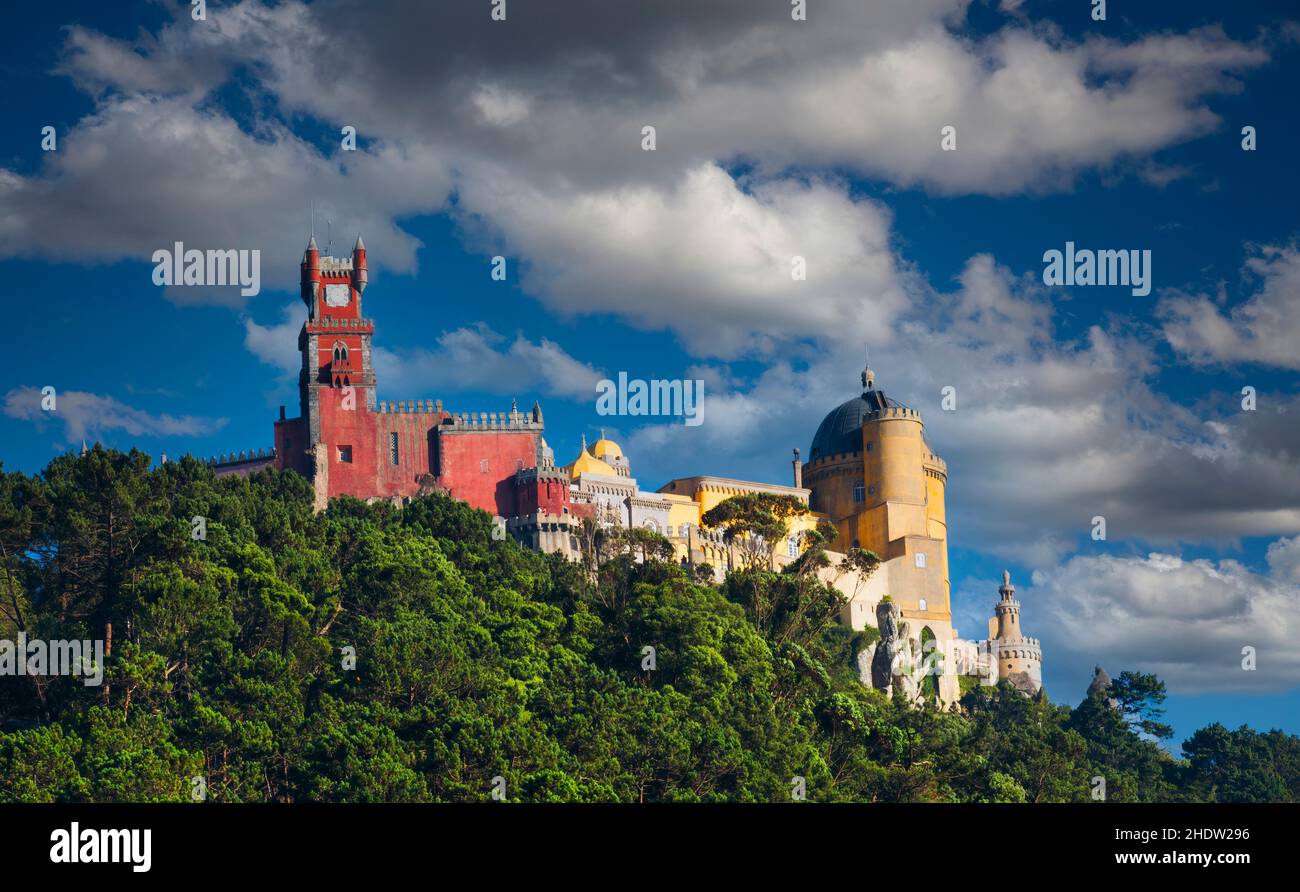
(243, 457)
(409, 407)
(513, 420)
(338, 324)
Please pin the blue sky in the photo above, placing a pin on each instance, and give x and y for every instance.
(774, 139)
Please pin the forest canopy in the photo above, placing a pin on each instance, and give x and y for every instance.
(382, 653)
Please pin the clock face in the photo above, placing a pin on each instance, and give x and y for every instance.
(337, 295)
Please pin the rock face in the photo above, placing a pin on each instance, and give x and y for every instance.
(1100, 681)
(892, 664)
(865, 657)
(1100, 687)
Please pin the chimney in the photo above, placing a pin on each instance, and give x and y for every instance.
(282, 413)
(798, 470)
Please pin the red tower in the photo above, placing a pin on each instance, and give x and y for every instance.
(350, 443)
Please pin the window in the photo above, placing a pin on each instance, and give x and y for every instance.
(858, 491)
(392, 448)
(870, 445)
(345, 454)
(483, 466)
(871, 490)
(920, 559)
(922, 605)
(792, 546)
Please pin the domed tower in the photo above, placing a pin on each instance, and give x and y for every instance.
(609, 452)
(1019, 659)
(872, 472)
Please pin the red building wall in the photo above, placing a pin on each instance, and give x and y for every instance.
(478, 467)
(354, 428)
(547, 492)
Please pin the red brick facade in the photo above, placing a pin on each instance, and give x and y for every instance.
(349, 443)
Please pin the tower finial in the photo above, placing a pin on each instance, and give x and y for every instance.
(1007, 590)
(584, 442)
(868, 377)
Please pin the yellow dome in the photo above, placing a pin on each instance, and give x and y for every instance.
(586, 463)
(603, 449)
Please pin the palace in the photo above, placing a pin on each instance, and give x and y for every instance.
(870, 473)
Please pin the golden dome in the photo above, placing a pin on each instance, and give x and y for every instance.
(605, 449)
(586, 463)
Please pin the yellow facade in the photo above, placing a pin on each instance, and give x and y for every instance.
(702, 494)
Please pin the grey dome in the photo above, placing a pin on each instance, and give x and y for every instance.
(841, 430)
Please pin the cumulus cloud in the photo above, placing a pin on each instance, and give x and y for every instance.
(1185, 620)
(442, 96)
(480, 359)
(277, 344)
(1265, 328)
(145, 171)
(1047, 432)
(88, 416)
(706, 258)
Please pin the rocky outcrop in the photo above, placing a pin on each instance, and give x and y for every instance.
(892, 664)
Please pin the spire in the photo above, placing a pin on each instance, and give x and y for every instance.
(311, 245)
(84, 450)
(868, 378)
(1007, 590)
(360, 245)
(584, 442)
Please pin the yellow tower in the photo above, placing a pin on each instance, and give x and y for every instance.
(871, 470)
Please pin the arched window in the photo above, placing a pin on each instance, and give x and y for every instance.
(340, 351)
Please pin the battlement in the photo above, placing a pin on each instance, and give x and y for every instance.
(244, 457)
(895, 412)
(335, 266)
(532, 475)
(514, 420)
(326, 324)
(936, 463)
(410, 407)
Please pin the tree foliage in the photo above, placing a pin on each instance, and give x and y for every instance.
(375, 653)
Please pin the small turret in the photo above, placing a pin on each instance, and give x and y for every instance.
(359, 275)
(310, 275)
(1019, 658)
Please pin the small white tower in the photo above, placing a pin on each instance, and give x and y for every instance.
(1019, 659)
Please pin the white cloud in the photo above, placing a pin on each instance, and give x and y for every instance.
(1265, 328)
(144, 172)
(1047, 433)
(480, 359)
(1185, 620)
(277, 345)
(706, 258)
(88, 416)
